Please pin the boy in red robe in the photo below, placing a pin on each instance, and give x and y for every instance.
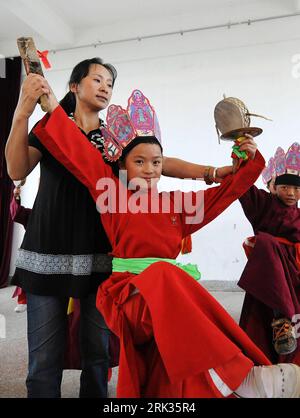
(271, 276)
(175, 339)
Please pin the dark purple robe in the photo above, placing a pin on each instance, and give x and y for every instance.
(18, 213)
(271, 277)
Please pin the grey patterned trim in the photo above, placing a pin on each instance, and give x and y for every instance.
(77, 265)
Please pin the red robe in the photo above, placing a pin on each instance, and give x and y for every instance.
(172, 331)
(271, 277)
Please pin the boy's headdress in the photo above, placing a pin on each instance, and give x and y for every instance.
(123, 126)
(269, 171)
(286, 166)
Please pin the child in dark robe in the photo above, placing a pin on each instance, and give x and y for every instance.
(271, 276)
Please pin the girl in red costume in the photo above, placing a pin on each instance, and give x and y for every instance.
(175, 338)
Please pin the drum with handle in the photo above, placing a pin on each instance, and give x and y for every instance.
(232, 119)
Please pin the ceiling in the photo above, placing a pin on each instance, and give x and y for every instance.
(59, 24)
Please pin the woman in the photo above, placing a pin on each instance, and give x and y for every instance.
(175, 339)
(64, 251)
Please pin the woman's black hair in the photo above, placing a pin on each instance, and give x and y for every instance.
(80, 71)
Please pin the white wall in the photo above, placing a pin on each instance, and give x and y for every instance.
(184, 77)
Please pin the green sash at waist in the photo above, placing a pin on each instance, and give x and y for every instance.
(137, 265)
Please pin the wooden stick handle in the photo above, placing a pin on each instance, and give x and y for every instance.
(32, 63)
(43, 101)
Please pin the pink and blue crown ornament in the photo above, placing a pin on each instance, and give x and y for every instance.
(123, 126)
(269, 171)
(293, 159)
(283, 163)
(280, 162)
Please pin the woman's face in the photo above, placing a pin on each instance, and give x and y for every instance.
(144, 165)
(95, 89)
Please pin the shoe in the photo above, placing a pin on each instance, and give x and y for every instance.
(284, 339)
(277, 381)
(21, 308)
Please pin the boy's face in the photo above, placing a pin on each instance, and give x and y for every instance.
(289, 195)
(144, 165)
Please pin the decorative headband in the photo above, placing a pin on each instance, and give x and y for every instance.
(282, 163)
(123, 126)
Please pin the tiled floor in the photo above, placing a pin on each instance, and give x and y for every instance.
(13, 348)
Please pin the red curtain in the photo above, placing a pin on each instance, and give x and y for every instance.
(10, 81)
